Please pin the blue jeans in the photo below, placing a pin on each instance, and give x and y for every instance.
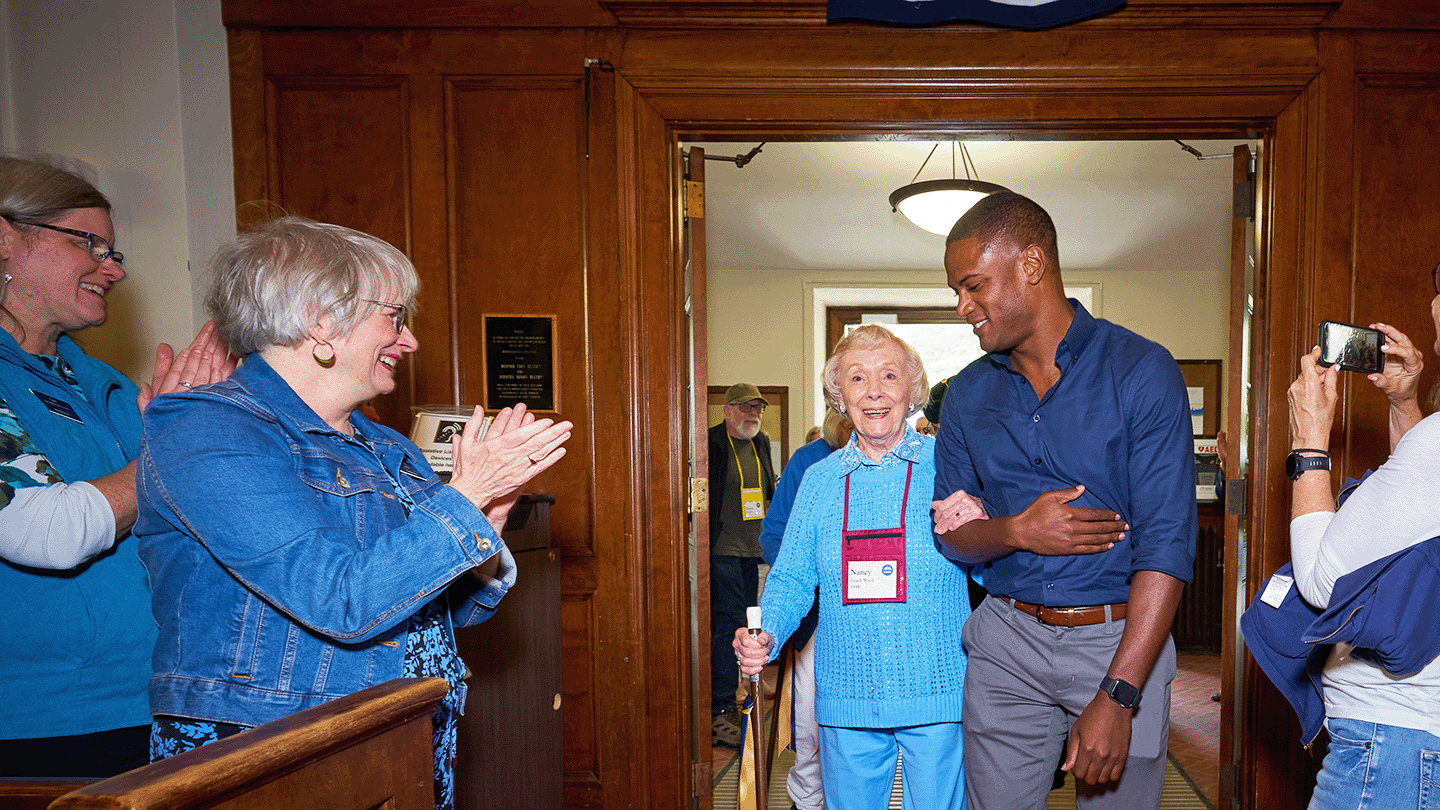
(1375, 767)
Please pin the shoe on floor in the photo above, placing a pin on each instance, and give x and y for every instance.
(725, 729)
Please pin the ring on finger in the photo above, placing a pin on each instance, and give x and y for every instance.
(187, 384)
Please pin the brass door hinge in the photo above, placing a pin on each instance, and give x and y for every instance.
(699, 495)
(694, 199)
(1235, 496)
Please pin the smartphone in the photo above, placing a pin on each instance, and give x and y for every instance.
(1351, 347)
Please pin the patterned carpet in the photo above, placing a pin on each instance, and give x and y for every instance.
(1177, 794)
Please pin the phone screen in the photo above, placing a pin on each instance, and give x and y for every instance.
(1353, 348)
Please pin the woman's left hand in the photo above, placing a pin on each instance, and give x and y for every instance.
(752, 653)
(206, 360)
(516, 448)
(1312, 397)
(957, 510)
(1403, 362)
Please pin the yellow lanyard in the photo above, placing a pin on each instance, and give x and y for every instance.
(736, 456)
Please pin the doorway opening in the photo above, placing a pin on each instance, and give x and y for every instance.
(1145, 227)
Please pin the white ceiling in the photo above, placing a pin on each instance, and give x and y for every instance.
(1117, 205)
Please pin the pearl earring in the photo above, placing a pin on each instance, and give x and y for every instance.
(8, 277)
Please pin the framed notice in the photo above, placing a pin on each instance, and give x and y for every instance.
(1202, 381)
(520, 361)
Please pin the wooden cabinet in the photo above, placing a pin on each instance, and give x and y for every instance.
(510, 736)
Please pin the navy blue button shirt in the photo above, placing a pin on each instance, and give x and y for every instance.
(1118, 421)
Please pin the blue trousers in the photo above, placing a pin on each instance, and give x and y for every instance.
(1370, 766)
(857, 766)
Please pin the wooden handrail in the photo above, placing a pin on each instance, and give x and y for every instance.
(357, 751)
(36, 792)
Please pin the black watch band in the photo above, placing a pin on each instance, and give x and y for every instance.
(1121, 692)
(1298, 463)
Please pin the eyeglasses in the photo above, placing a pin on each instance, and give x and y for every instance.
(400, 316)
(100, 250)
(751, 407)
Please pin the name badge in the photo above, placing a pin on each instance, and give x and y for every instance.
(59, 407)
(752, 503)
(874, 563)
(873, 559)
(872, 580)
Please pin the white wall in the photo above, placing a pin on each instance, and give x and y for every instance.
(139, 90)
(758, 321)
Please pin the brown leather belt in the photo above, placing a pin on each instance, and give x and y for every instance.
(1068, 616)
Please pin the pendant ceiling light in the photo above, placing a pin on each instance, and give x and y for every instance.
(935, 205)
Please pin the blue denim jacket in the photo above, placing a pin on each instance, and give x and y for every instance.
(283, 566)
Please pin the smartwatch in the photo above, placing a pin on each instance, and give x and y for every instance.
(1121, 692)
(1297, 465)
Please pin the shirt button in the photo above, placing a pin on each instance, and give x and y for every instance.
(1050, 586)
(484, 543)
(1037, 460)
(1037, 417)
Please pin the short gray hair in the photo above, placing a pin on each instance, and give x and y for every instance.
(275, 279)
(864, 338)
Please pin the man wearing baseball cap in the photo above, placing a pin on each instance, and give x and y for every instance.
(742, 481)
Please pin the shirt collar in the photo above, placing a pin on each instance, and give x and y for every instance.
(907, 449)
(1077, 337)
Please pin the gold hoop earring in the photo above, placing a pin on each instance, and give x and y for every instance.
(323, 362)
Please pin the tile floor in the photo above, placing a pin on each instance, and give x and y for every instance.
(1194, 743)
(1195, 722)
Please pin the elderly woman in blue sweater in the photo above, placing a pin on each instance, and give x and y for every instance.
(889, 669)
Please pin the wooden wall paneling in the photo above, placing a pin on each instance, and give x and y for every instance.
(435, 365)
(515, 173)
(1271, 774)
(426, 51)
(415, 13)
(339, 152)
(648, 254)
(1396, 241)
(247, 115)
(519, 188)
(596, 606)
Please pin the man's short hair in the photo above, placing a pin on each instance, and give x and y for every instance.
(1009, 217)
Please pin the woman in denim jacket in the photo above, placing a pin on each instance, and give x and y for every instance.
(297, 551)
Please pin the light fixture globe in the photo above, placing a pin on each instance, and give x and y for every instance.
(935, 205)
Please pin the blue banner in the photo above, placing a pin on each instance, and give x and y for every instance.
(1029, 14)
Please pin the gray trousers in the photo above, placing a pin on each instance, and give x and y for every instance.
(1025, 685)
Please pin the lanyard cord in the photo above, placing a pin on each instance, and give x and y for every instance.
(904, 500)
(736, 456)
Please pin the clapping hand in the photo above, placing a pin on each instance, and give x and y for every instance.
(516, 448)
(206, 360)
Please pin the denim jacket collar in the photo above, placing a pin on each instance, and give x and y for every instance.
(260, 379)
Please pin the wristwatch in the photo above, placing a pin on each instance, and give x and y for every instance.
(1297, 465)
(1121, 692)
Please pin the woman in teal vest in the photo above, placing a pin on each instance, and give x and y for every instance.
(77, 633)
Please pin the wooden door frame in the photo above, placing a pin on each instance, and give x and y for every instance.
(1283, 118)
